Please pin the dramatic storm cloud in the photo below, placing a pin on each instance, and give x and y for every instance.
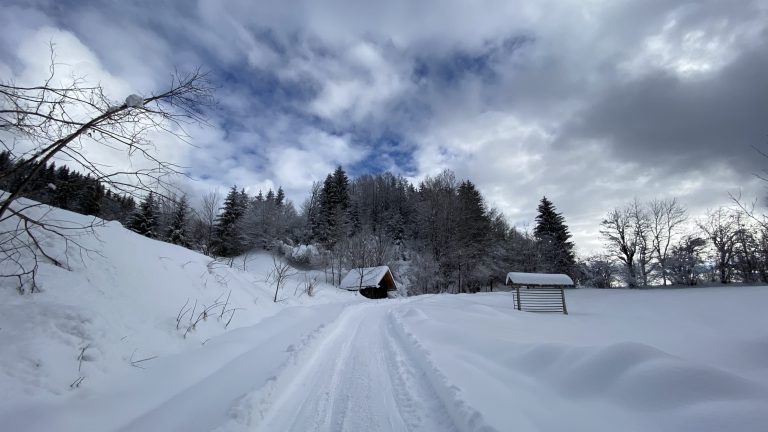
(589, 102)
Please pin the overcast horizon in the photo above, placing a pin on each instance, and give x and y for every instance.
(591, 103)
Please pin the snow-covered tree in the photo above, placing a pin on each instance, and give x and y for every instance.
(228, 234)
(144, 221)
(177, 229)
(334, 219)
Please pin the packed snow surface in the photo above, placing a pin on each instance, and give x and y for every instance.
(623, 360)
(539, 279)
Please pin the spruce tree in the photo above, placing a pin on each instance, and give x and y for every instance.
(553, 237)
(229, 238)
(144, 221)
(177, 230)
(89, 197)
(334, 219)
(472, 231)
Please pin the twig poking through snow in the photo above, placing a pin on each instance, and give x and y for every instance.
(81, 357)
(135, 363)
(76, 383)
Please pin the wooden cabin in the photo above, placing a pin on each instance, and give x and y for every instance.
(371, 282)
(539, 292)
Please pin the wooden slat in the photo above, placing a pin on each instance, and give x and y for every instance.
(557, 302)
(540, 299)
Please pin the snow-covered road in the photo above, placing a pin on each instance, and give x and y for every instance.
(624, 360)
(361, 378)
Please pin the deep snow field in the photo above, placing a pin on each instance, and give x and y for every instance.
(652, 360)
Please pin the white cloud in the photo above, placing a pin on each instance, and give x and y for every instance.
(354, 63)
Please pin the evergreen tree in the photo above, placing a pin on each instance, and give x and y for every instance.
(90, 196)
(280, 197)
(177, 230)
(472, 229)
(5, 163)
(553, 237)
(144, 221)
(334, 219)
(228, 235)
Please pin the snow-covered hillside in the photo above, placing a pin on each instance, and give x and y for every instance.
(119, 302)
(654, 360)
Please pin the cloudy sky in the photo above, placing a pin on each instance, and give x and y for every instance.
(589, 102)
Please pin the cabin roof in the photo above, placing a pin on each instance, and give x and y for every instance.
(372, 277)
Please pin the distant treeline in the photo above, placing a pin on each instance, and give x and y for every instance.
(438, 236)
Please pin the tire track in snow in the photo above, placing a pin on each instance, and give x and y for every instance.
(255, 408)
(464, 416)
(358, 378)
(414, 393)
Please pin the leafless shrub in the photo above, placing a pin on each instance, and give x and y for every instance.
(281, 271)
(188, 317)
(309, 285)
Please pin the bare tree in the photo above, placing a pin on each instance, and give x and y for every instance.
(206, 218)
(621, 238)
(721, 229)
(366, 250)
(684, 260)
(667, 217)
(597, 271)
(60, 120)
(641, 226)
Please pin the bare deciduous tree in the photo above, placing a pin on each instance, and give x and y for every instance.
(205, 219)
(641, 226)
(721, 229)
(621, 238)
(667, 217)
(61, 119)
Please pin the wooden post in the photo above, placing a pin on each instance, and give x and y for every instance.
(517, 289)
(562, 295)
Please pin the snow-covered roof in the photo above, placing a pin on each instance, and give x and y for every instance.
(538, 279)
(372, 277)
